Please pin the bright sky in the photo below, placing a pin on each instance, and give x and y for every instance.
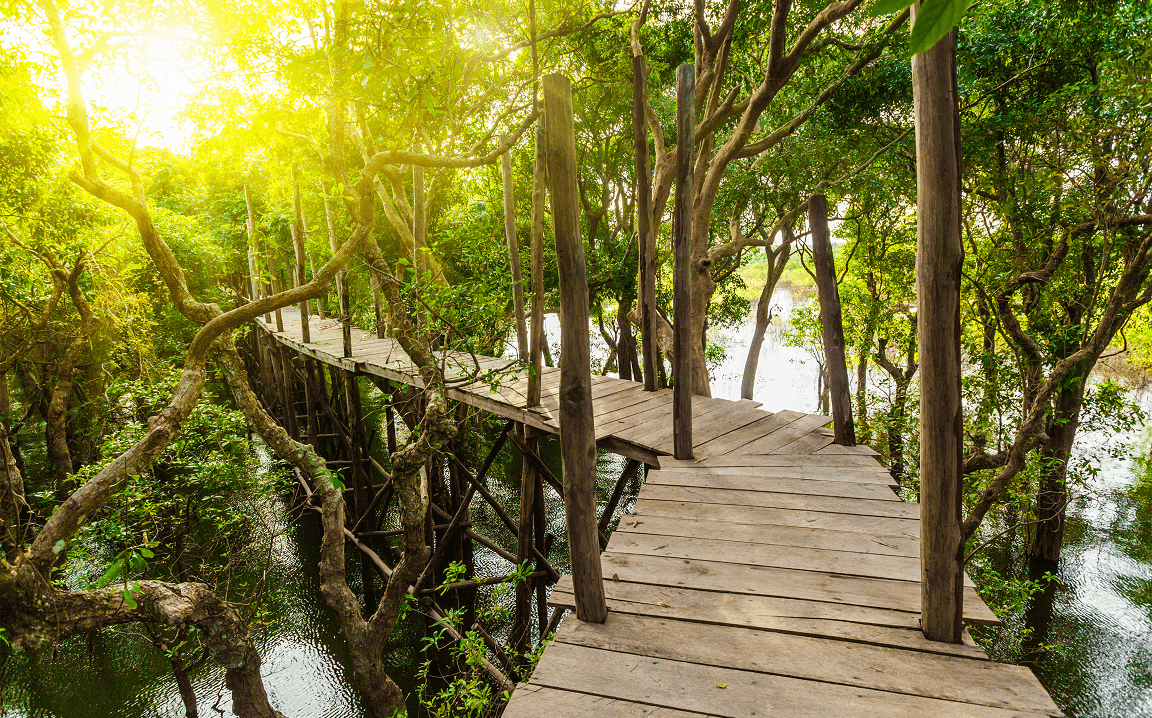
(147, 106)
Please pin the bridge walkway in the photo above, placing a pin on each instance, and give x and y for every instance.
(777, 574)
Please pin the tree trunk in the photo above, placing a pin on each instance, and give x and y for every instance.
(1052, 495)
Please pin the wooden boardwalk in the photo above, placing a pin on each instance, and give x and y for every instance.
(777, 574)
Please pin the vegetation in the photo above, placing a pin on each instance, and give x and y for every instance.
(139, 460)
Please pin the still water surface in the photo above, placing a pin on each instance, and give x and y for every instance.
(1091, 644)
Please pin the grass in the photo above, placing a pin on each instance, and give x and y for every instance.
(755, 272)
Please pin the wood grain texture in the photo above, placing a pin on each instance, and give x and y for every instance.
(577, 426)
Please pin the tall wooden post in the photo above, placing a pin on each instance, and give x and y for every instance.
(253, 251)
(377, 307)
(577, 433)
(301, 256)
(939, 256)
(682, 263)
(539, 190)
(419, 222)
(646, 240)
(831, 320)
(514, 256)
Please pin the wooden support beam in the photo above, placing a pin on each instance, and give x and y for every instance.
(539, 190)
(831, 320)
(682, 264)
(939, 256)
(253, 253)
(647, 241)
(301, 256)
(520, 635)
(514, 256)
(617, 491)
(577, 429)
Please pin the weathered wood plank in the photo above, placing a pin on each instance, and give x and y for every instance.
(726, 692)
(788, 485)
(760, 515)
(863, 624)
(800, 558)
(533, 701)
(898, 671)
(828, 504)
(781, 582)
(890, 544)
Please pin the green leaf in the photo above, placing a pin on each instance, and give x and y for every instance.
(111, 574)
(146, 553)
(887, 7)
(58, 546)
(933, 21)
(129, 599)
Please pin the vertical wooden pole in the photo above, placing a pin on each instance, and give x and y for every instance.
(522, 621)
(646, 240)
(419, 221)
(539, 190)
(939, 256)
(319, 300)
(577, 433)
(514, 256)
(831, 320)
(257, 282)
(682, 267)
(301, 255)
(310, 402)
(376, 305)
(275, 278)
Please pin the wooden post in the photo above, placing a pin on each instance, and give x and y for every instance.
(939, 256)
(682, 264)
(539, 190)
(831, 320)
(301, 255)
(258, 291)
(419, 221)
(376, 305)
(319, 300)
(577, 433)
(514, 256)
(275, 278)
(646, 240)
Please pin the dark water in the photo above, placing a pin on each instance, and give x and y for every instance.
(1090, 643)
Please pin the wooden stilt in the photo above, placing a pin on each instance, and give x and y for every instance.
(537, 342)
(301, 255)
(939, 256)
(577, 431)
(514, 256)
(646, 240)
(831, 321)
(522, 621)
(682, 270)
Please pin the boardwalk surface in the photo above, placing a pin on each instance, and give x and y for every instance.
(777, 574)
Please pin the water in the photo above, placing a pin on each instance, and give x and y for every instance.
(1095, 628)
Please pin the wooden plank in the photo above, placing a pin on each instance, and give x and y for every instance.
(812, 487)
(533, 701)
(838, 461)
(890, 544)
(827, 504)
(658, 421)
(781, 582)
(760, 515)
(786, 435)
(882, 668)
(725, 421)
(731, 693)
(853, 474)
(744, 435)
(625, 402)
(809, 443)
(800, 558)
(863, 624)
(859, 449)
